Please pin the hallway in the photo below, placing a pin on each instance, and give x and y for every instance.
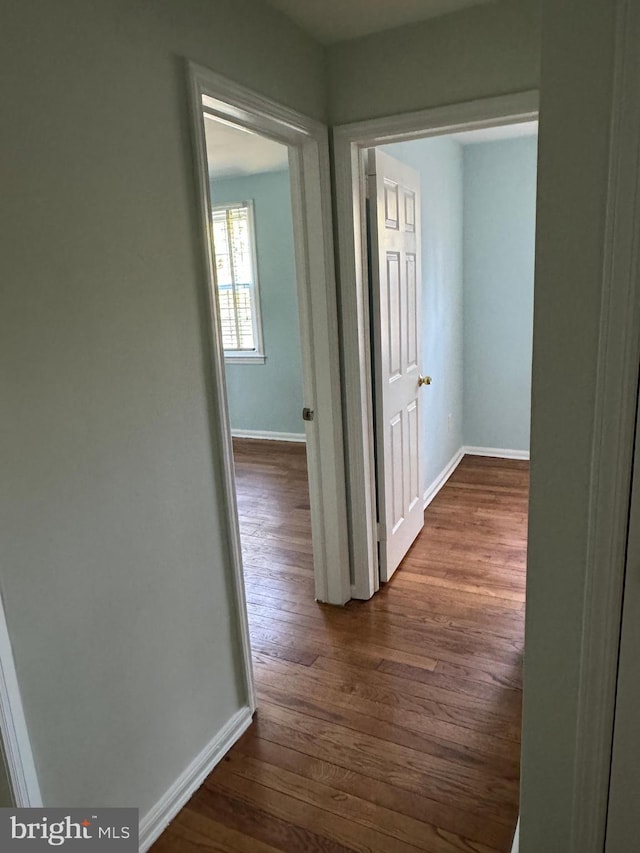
(388, 725)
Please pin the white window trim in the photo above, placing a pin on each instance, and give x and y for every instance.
(256, 356)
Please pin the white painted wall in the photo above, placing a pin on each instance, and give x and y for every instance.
(486, 50)
(577, 59)
(115, 571)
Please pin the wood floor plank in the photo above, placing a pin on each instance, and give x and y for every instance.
(310, 807)
(245, 815)
(358, 655)
(195, 833)
(399, 832)
(438, 819)
(389, 726)
(443, 646)
(406, 766)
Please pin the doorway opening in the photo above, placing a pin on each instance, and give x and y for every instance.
(284, 155)
(451, 230)
(258, 312)
(234, 318)
(451, 244)
(444, 214)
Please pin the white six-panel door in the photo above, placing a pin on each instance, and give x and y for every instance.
(394, 194)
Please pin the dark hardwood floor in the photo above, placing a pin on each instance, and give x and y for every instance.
(391, 725)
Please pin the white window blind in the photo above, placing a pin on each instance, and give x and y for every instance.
(234, 246)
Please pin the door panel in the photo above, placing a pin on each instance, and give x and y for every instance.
(394, 190)
(412, 312)
(394, 314)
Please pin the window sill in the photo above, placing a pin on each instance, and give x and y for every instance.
(245, 358)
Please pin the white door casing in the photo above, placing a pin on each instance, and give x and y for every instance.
(623, 819)
(394, 192)
(307, 141)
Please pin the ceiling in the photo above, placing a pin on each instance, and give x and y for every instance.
(329, 21)
(232, 151)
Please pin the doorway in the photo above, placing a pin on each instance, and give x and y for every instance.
(467, 568)
(258, 311)
(351, 143)
(451, 229)
(308, 165)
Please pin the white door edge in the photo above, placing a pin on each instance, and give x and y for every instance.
(515, 847)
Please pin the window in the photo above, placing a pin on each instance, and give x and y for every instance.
(236, 273)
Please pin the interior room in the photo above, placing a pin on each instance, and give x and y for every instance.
(376, 722)
(257, 299)
(263, 365)
(478, 199)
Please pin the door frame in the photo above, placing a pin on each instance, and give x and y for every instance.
(307, 141)
(350, 142)
(616, 396)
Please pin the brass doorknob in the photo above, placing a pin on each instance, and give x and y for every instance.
(424, 380)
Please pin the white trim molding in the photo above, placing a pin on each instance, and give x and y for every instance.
(616, 396)
(267, 435)
(456, 459)
(443, 476)
(16, 745)
(307, 143)
(497, 452)
(156, 820)
(515, 847)
(350, 144)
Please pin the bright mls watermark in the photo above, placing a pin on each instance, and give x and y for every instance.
(102, 830)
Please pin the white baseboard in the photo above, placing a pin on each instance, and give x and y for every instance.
(497, 452)
(450, 467)
(516, 839)
(442, 477)
(265, 435)
(158, 818)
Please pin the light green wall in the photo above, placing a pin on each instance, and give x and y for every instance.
(268, 397)
(478, 227)
(486, 50)
(115, 571)
(499, 236)
(577, 54)
(439, 162)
